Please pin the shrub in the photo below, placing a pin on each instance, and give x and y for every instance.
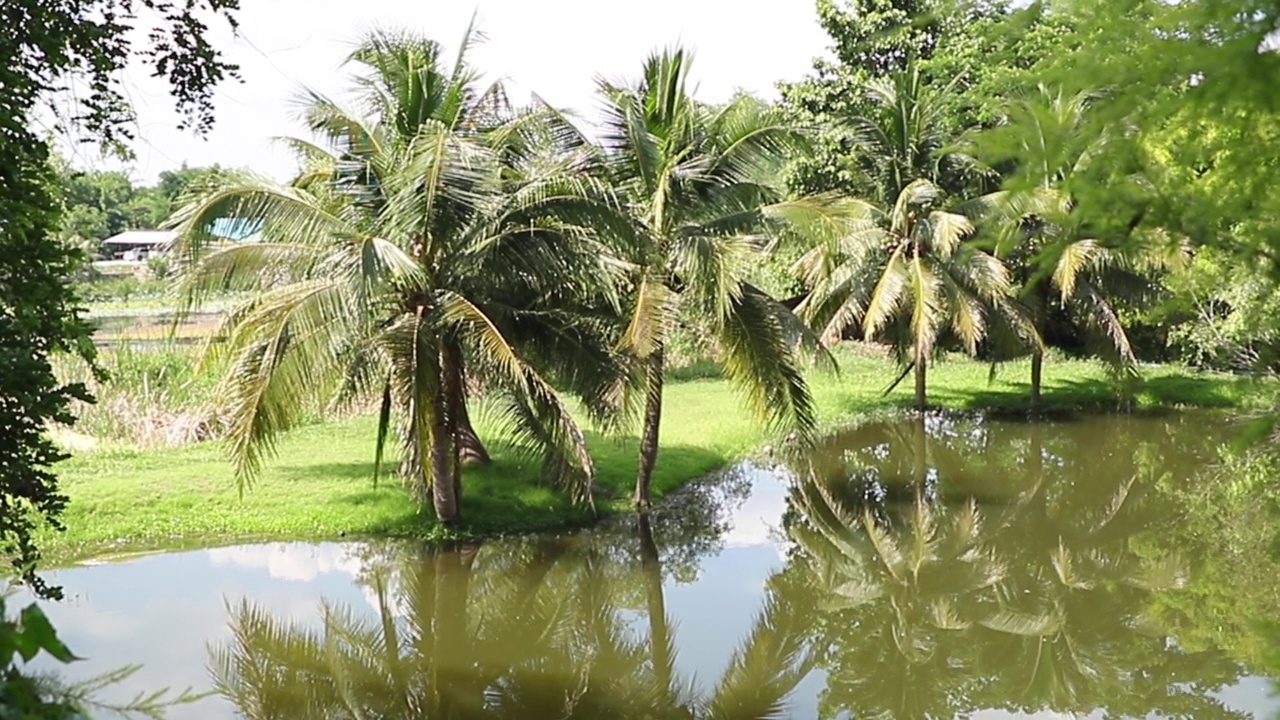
(159, 266)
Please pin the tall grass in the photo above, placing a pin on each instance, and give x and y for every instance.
(153, 396)
(157, 394)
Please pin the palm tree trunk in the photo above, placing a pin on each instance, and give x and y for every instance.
(919, 455)
(921, 374)
(1037, 367)
(1040, 302)
(444, 461)
(471, 451)
(659, 631)
(649, 436)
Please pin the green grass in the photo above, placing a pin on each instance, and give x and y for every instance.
(320, 485)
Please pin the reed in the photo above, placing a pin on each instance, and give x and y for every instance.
(152, 396)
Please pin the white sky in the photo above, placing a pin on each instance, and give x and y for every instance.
(554, 47)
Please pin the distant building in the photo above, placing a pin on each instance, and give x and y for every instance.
(236, 230)
(138, 244)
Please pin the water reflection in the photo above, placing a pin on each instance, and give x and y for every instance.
(1104, 567)
(535, 630)
(935, 569)
(969, 566)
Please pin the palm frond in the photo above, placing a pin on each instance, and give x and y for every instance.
(947, 231)
(536, 412)
(891, 290)
(291, 219)
(1074, 261)
(759, 359)
(413, 353)
(649, 318)
(927, 306)
(283, 350)
(1101, 318)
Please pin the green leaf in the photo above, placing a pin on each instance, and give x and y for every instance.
(37, 634)
(384, 429)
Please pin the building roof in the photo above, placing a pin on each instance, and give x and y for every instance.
(142, 238)
(236, 229)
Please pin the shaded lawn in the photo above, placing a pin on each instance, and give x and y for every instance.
(321, 484)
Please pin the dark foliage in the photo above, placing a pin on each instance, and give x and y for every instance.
(48, 44)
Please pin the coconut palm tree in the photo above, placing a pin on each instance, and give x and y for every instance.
(700, 190)
(907, 274)
(903, 267)
(436, 238)
(1071, 282)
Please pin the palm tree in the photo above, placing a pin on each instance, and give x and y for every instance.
(902, 267)
(434, 239)
(1067, 278)
(699, 186)
(908, 275)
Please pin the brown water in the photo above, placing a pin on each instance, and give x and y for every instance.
(1099, 567)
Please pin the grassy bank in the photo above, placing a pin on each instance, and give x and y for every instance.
(125, 499)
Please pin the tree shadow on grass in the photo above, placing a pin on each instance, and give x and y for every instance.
(344, 472)
(1154, 394)
(511, 495)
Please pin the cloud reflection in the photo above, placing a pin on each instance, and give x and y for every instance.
(300, 562)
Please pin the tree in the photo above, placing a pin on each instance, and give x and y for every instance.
(972, 47)
(431, 243)
(903, 268)
(174, 184)
(51, 46)
(699, 188)
(1222, 313)
(99, 204)
(872, 39)
(1048, 139)
(1186, 82)
(45, 44)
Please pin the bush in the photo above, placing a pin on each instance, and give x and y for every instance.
(159, 266)
(1222, 315)
(155, 395)
(120, 288)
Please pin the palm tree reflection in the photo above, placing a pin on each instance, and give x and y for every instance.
(935, 569)
(502, 634)
(966, 565)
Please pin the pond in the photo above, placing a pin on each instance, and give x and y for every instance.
(954, 567)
